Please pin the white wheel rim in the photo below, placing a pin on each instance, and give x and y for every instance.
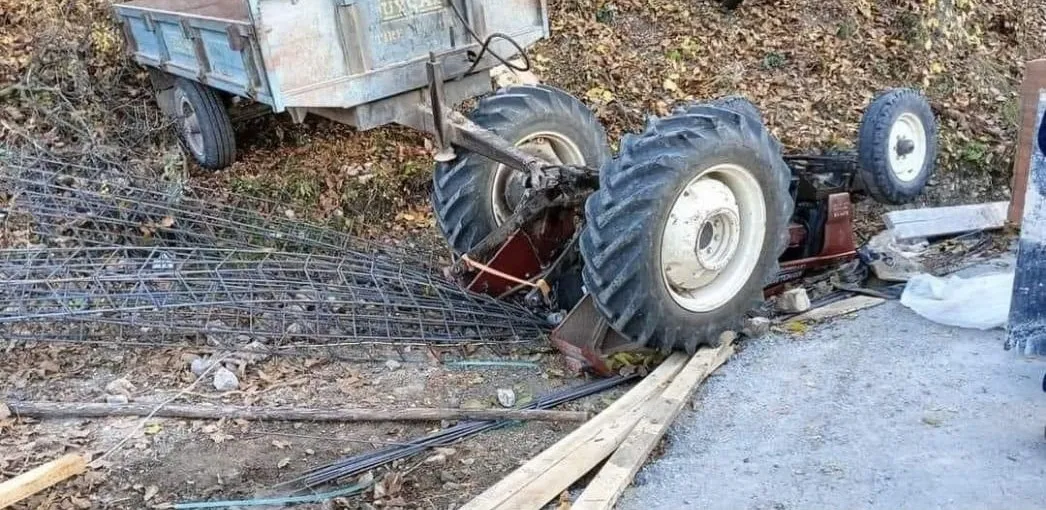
(907, 147)
(713, 237)
(548, 145)
(191, 127)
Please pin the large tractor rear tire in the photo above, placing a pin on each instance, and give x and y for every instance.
(472, 195)
(687, 227)
(737, 104)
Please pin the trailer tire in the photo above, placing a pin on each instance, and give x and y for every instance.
(203, 125)
(471, 194)
(890, 172)
(632, 251)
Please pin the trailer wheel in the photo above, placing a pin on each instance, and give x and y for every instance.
(472, 195)
(203, 125)
(687, 227)
(897, 146)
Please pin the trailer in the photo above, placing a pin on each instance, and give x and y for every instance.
(366, 63)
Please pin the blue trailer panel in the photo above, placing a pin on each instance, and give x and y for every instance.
(324, 55)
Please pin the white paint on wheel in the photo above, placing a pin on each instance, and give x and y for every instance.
(507, 183)
(713, 237)
(907, 147)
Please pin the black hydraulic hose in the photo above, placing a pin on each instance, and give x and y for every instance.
(485, 46)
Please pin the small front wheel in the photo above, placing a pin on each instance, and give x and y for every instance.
(203, 124)
(897, 146)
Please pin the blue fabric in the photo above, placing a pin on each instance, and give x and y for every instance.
(1042, 135)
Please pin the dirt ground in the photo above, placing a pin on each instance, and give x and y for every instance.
(171, 460)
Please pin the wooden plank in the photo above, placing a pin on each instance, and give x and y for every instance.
(617, 474)
(838, 308)
(39, 478)
(211, 412)
(942, 221)
(1034, 82)
(1027, 321)
(613, 418)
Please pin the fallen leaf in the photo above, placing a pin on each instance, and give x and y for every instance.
(5, 412)
(152, 429)
(283, 462)
(220, 437)
(389, 486)
(670, 85)
(280, 444)
(564, 501)
(81, 503)
(150, 492)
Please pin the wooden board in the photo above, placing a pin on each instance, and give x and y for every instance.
(40, 478)
(942, 221)
(614, 420)
(1034, 81)
(838, 308)
(616, 475)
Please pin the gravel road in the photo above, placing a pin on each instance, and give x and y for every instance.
(881, 410)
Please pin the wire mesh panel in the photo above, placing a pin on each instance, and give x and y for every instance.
(109, 259)
(232, 296)
(68, 209)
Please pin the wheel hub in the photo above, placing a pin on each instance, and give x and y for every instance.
(191, 128)
(713, 237)
(717, 239)
(907, 147)
(508, 184)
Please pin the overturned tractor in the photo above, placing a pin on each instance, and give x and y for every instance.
(673, 240)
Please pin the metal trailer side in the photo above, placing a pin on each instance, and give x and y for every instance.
(208, 41)
(362, 62)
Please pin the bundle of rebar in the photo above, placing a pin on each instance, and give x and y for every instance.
(351, 466)
(112, 260)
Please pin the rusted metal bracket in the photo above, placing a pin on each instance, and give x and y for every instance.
(587, 340)
(434, 69)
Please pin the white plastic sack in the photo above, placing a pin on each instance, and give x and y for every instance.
(978, 302)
